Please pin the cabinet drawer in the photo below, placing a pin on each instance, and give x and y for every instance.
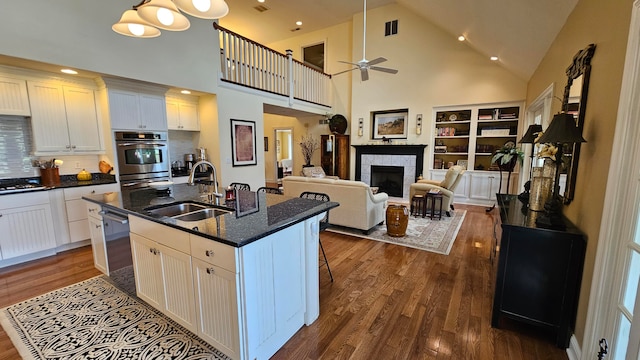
(79, 230)
(24, 199)
(79, 192)
(214, 253)
(93, 210)
(165, 235)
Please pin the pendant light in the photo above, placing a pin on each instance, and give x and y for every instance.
(204, 9)
(131, 24)
(163, 14)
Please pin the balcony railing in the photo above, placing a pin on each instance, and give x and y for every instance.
(248, 63)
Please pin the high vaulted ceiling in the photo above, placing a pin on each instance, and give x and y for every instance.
(519, 32)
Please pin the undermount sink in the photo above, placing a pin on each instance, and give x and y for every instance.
(201, 214)
(186, 211)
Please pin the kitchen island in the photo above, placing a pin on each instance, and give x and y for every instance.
(245, 281)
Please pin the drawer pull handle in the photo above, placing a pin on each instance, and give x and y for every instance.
(210, 270)
(98, 226)
(209, 253)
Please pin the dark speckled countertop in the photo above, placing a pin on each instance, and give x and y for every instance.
(66, 181)
(272, 213)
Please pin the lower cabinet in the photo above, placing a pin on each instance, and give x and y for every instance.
(164, 279)
(26, 225)
(480, 187)
(217, 307)
(98, 242)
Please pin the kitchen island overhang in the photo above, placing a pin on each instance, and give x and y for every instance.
(270, 257)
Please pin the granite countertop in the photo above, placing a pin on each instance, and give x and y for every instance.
(66, 181)
(263, 214)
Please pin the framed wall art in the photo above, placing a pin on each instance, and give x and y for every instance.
(243, 142)
(390, 124)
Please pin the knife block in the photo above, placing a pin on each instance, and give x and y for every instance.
(50, 177)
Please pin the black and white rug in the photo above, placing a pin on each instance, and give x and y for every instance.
(435, 235)
(94, 319)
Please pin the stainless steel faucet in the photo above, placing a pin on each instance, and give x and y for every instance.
(212, 178)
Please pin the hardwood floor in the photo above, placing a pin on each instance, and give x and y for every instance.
(386, 302)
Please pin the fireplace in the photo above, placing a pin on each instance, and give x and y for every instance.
(388, 179)
(408, 157)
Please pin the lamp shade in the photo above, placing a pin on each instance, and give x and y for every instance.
(131, 24)
(562, 130)
(204, 9)
(531, 134)
(163, 14)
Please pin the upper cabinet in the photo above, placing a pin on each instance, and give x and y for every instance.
(13, 97)
(182, 114)
(130, 110)
(64, 119)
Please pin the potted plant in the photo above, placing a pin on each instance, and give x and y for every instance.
(507, 156)
(308, 145)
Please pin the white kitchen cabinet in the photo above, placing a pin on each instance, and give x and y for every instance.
(98, 242)
(130, 110)
(217, 307)
(14, 99)
(182, 114)
(76, 210)
(64, 119)
(164, 278)
(26, 225)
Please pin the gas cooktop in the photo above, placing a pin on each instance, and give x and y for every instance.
(7, 188)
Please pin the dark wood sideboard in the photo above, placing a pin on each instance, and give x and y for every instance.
(538, 271)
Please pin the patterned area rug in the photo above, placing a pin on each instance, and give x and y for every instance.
(94, 319)
(422, 233)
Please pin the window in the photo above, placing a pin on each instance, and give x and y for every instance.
(313, 56)
(391, 28)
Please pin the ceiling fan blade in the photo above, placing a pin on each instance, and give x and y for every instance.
(364, 74)
(387, 70)
(345, 71)
(346, 62)
(377, 61)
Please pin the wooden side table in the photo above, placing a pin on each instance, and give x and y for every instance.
(417, 205)
(435, 198)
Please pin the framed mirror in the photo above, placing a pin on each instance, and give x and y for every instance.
(574, 102)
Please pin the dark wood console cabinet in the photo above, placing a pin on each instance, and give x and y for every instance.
(334, 155)
(538, 271)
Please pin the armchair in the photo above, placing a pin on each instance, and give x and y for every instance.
(447, 186)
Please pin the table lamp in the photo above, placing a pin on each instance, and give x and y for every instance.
(529, 138)
(561, 131)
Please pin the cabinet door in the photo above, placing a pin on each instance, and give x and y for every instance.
(173, 115)
(147, 270)
(82, 119)
(188, 116)
(177, 280)
(217, 310)
(484, 186)
(48, 118)
(26, 230)
(153, 115)
(13, 97)
(124, 110)
(98, 245)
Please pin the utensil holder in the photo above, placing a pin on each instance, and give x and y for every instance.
(50, 177)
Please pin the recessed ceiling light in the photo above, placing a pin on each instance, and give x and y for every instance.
(298, 22)
(494, 58)
(187, 92)
(260, 1)
(461, 38)
(69, 71)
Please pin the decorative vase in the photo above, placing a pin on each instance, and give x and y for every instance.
(541, 188)
(549, 168)
(397, 217)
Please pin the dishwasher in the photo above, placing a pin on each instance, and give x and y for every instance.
(118, 247)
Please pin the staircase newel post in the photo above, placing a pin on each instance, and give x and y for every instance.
(290, 75)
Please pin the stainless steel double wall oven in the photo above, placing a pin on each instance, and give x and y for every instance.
(143, 157)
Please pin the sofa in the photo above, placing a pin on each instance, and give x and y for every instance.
(359, 207)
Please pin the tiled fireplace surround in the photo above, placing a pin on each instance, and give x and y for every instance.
(410, 157)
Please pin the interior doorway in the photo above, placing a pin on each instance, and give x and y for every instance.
(283, 152)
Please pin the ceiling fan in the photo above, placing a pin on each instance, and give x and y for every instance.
(365, 65)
